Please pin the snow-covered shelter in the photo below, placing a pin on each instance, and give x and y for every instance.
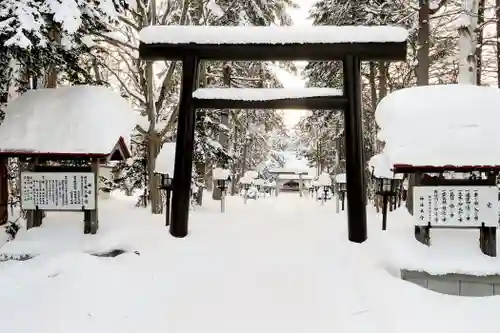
(439, 130)
(89, 124)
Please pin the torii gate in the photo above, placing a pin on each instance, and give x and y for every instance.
(349, 44)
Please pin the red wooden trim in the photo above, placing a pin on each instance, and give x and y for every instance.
(403, 167)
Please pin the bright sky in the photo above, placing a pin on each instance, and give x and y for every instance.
(288, 80)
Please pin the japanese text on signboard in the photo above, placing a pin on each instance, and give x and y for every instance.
(58, 190)
(456, 205)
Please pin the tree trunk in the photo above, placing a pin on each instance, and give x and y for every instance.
(480, 38)
(223, 136)
(51, 75)
(374, 101)
(497, 4)
(423, 63)
(467, 42)
(234, 168)
(422, 72)
(154, 141)
(154, 179)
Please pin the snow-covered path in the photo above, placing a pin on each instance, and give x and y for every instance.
(262, 275)
(274, 265)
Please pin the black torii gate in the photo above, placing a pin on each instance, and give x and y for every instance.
(171, 44)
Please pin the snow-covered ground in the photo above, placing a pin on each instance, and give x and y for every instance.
(273, 265)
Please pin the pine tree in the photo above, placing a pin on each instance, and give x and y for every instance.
(39, 37)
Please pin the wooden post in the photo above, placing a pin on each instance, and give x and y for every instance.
(385, 202)
(488, 241)
(34, 217)
(354, 151)
(423, 235)
(91, 217)
(4, 191)
(184, 148)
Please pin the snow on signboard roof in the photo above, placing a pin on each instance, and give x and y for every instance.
(68, 120)
(166, 159)
(441, 125)
(263, 94)
(271, 35)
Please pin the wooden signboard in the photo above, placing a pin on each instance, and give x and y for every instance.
(456, 206)
(58, 191)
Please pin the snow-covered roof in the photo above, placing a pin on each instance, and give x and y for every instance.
(441, 125)
(289, 171)
(288, 176)
(263, 94)
(166, 159)
(271, 34)
(88, 120)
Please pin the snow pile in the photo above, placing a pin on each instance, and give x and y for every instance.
(441, 125)
(166, 159)
(271, 35)
(451, 251)
(79, 119)
(221, 174)
(263, 94)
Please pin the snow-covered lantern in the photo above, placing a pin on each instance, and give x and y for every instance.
(315, 186)
(222, 177)
(246, 182)
(166, 182)
(269, 186)
(341, 182)
(325, 181)
(385, 182)
(385, 185)
(259, 183)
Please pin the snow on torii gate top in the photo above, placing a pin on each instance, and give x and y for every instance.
(77, 121)
(316, 43)
(441, 126)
